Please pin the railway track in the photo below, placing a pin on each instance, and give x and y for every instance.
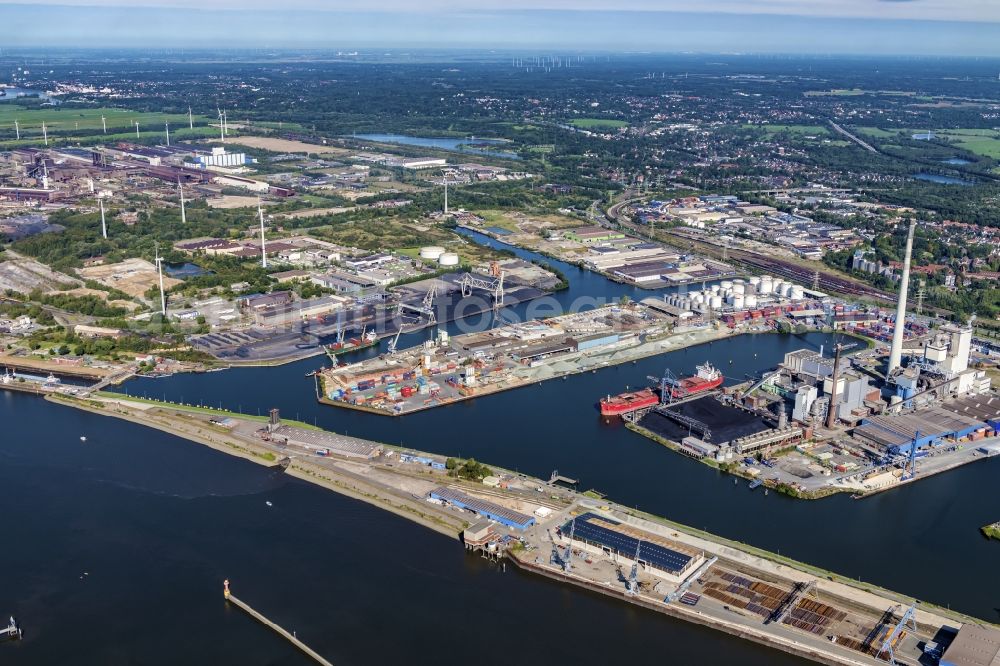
(778, 267)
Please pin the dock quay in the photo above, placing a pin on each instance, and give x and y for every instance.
(595, 544)
(280, 342)
(452, 369)
(289, 636)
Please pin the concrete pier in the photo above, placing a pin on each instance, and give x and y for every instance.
(276, 627)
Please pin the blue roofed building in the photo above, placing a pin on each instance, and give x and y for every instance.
(620, 542)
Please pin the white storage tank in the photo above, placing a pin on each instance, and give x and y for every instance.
(738, 302)
(698, 299)
(766, 286)
(751, 301)
(726, 285)
(798, 293)
(786, 289)
(716, 302)
(432, 252)
(448, 259)
(755, 280)
(739, 288)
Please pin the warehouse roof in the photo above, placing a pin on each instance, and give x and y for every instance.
(480, 506)
(625, 540)
(983, 407)
(340, 444)
(900, 429)
(974, 646)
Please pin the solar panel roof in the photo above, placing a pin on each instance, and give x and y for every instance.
(591, 528)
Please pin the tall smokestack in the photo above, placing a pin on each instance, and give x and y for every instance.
(896, 351)
(831, 412)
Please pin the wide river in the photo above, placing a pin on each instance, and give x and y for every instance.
(114, 549)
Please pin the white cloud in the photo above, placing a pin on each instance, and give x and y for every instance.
(934, 10)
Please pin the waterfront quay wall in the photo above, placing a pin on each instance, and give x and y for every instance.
(677, 611)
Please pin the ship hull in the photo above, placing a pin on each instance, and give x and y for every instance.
(626, 403)
(695, 385)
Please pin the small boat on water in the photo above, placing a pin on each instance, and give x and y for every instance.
(756, 483)
(268, 502)
(83, 438)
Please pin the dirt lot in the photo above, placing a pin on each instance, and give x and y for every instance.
(132, 276)
(25, 275)
(286, 146)
(228, 202)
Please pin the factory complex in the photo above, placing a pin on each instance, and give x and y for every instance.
(842, 419)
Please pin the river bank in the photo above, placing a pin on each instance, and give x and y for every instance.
(391, 486)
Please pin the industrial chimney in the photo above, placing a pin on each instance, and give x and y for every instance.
(896, 351)
(831, 412)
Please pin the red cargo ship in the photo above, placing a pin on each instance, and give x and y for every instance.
(706, 378)
(628, 402)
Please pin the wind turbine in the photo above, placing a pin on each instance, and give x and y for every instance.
(180, 188)
(263, 248)
(163, 295)
(104, 124)
(225, 122)
(17, 128)
(222, 128)
(136, 129)
(190, 119)
(45, 134)
(167, 125)
(104, 226)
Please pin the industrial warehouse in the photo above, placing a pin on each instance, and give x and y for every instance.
(627, 545)
(838, 420)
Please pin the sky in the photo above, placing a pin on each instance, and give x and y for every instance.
(882, 27)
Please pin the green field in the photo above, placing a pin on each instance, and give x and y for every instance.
(839, 92)
(983, 142)
(91, 139)
(598, 123)
(791, 129)
(878, 132)
(68, 119)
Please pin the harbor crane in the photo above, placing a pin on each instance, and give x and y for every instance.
(632, 585)
(426, 307)
(395, 340)
(907, 621)
(911, 464)
(565, 562)
(492, 284)
(669, 384)
(568, 562)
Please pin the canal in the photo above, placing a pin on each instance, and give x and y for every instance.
(114, 551)
(905, 539)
